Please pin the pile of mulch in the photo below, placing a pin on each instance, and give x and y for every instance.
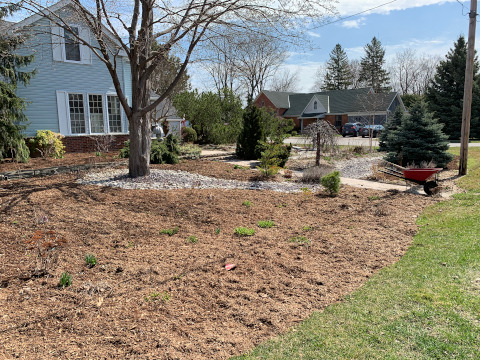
(155, 296)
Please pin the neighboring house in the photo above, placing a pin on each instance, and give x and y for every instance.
(166, 112)
(72, 92)
(335, 106)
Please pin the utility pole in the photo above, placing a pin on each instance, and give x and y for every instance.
(467, 92)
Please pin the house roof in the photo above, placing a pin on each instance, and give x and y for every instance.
(45, 12)
(299, 102)
(279, 98)
(345, 101)
(335, 101)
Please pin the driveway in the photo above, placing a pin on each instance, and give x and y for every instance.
(355, 141)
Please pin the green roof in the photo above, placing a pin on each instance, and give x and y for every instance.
(335, 101)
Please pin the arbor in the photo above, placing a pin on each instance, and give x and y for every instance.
(184, 25)
(11, 106)
(444, 95)
(338, 75)
(372, 71)
(419, 138)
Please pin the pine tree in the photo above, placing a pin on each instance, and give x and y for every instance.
(372, 71)
(12, 118)
(251, 134)
(338, 75)
(419, 138)
(393, 123)
(444, 95)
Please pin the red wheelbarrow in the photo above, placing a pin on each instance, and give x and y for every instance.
(418, 176)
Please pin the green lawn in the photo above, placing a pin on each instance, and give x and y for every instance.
(426, 306)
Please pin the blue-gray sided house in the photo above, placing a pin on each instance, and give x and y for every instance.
(72, 92)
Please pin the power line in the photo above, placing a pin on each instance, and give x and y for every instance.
(359, 13)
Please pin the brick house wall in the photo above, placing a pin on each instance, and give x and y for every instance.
(89, 143)
(264, 101)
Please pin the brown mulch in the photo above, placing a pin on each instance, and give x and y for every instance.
(68, 159)
(155, 296)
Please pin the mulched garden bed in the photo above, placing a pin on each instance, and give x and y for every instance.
(155, 296)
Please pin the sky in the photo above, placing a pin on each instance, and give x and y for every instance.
(426, 26)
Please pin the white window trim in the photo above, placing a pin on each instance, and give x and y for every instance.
(58, 45)
(122, 114)
(105, 129)
(65, 124)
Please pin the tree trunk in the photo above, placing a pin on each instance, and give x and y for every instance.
(317, 158)
(140, 142)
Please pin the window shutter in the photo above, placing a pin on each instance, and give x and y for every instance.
(57, 43)
(63, 116)
(85, 52)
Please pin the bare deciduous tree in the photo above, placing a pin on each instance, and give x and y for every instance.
(185, 24)
(319, 78)
(372, 103)
(284, 80)
(258, 57)
(412, 73)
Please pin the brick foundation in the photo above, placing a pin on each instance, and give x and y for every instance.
(89, 143)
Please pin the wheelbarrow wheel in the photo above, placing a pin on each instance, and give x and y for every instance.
(429, 187)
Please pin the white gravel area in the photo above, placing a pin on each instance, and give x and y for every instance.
(357, 168)
(175, 179)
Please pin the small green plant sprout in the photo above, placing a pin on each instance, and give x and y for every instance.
(306, 191)
(217, 231)
(240, 167)
(178, 277)
(306, 228)
(169, 232)
(130, 244)
(282, 205)
(192, 239)
(301, 240)
(65, 280)
(265, 224)
(371, 198)
(98, 153)
(247, 203)
(331, 183)
(90, 260)
(158, 296)
(244, 231)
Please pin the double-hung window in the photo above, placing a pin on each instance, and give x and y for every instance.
(94, 114)
(72, 46)
(77, 113)
(95, 106)
(114, 114)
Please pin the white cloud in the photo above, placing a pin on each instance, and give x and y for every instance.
(314, 34)
(350, 7)
(354, 23)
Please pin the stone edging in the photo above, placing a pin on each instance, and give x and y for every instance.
(22, 174)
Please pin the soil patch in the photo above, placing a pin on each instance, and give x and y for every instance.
(155, 296)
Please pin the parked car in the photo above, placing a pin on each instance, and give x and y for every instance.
(351, 129)
(376, 130)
